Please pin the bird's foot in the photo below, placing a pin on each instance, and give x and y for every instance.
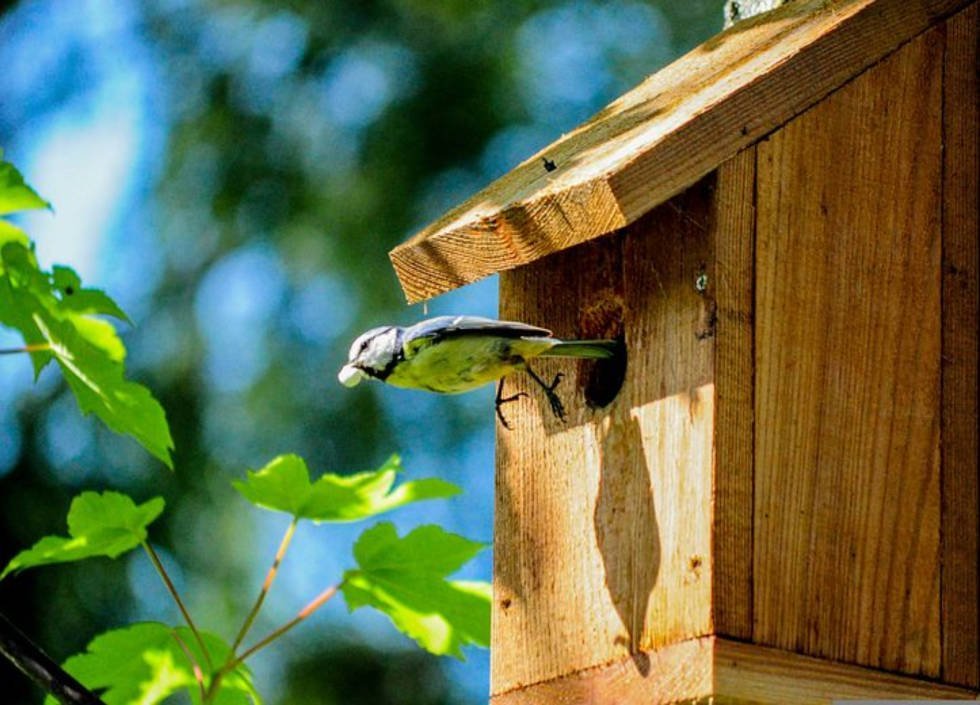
(500, 400)
(557, 408)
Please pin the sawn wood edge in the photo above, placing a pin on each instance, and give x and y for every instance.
(728, 673)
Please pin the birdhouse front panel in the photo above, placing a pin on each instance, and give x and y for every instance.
(615, 501)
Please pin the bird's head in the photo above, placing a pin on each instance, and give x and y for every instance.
(373, 354)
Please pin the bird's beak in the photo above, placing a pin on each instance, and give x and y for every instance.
(349, 376)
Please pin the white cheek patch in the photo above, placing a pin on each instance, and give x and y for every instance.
(377, 354)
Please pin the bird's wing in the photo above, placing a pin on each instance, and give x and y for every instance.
(441, 327)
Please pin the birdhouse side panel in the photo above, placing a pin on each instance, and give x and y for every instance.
(848, 349)
(960, 533)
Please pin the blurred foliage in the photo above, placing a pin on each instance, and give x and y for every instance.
(285, 146)
(340, 673)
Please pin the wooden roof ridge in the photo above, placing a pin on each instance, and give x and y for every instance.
(661, 137)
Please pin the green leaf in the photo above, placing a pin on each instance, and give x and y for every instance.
(144, 664)
(65, 278)
(93, 301)
(11, 233)
(107, 524)
(406, 579)
(87, 349)
(284, 485)
(15, 195)
(77, 299)
(102, 335)
(17, 260)
(16, 311)
(98, 383)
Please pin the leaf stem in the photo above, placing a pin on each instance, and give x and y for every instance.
(270, 576)
(198, 674)
(235, 661)
(34, 347)
(310, 608)
(180, 603)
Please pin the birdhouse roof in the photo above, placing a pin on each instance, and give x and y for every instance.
(661, 137)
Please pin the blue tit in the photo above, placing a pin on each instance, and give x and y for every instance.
(452, 354)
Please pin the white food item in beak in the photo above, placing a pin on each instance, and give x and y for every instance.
(349, 376)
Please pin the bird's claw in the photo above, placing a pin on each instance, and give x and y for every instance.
(549, 391)
(557, 408)
(501, 400)
(554, 383)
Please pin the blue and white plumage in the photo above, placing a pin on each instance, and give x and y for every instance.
(452, 354)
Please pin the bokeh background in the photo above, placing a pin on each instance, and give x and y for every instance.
(234, 173)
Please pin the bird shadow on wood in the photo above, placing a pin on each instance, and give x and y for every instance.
(626, 529)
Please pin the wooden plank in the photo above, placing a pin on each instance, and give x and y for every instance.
(603, 524)
(846, 560)
(723, 672)
(960, 623)
(661, 137)
(671, 399)
(546, 493)
(677, 673)
(550, 602)
(733, 238)
(747, 673)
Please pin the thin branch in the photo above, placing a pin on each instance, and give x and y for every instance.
(234, 661)
(180, 603)
(270, 576)
(35, 347)
(36, 665)
(198, 674)
(312, 607)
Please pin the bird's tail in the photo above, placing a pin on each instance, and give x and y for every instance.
(597, 349)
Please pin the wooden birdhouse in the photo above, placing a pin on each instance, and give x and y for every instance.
(776, 499)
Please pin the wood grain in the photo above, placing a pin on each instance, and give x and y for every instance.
(722, 672)
(846, 560)
(661, 137)
(681, 672)
(747, 673)
(733, 277)
(551, 606)
(960, 502)
(672, 400)
(603, 524)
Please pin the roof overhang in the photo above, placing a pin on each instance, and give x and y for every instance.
(661, 137)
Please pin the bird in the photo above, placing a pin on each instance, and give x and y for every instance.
(453, 354)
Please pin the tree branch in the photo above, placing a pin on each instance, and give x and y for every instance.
(36, 665)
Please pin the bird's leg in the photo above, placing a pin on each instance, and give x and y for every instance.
(501, 400)
(549, 391)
